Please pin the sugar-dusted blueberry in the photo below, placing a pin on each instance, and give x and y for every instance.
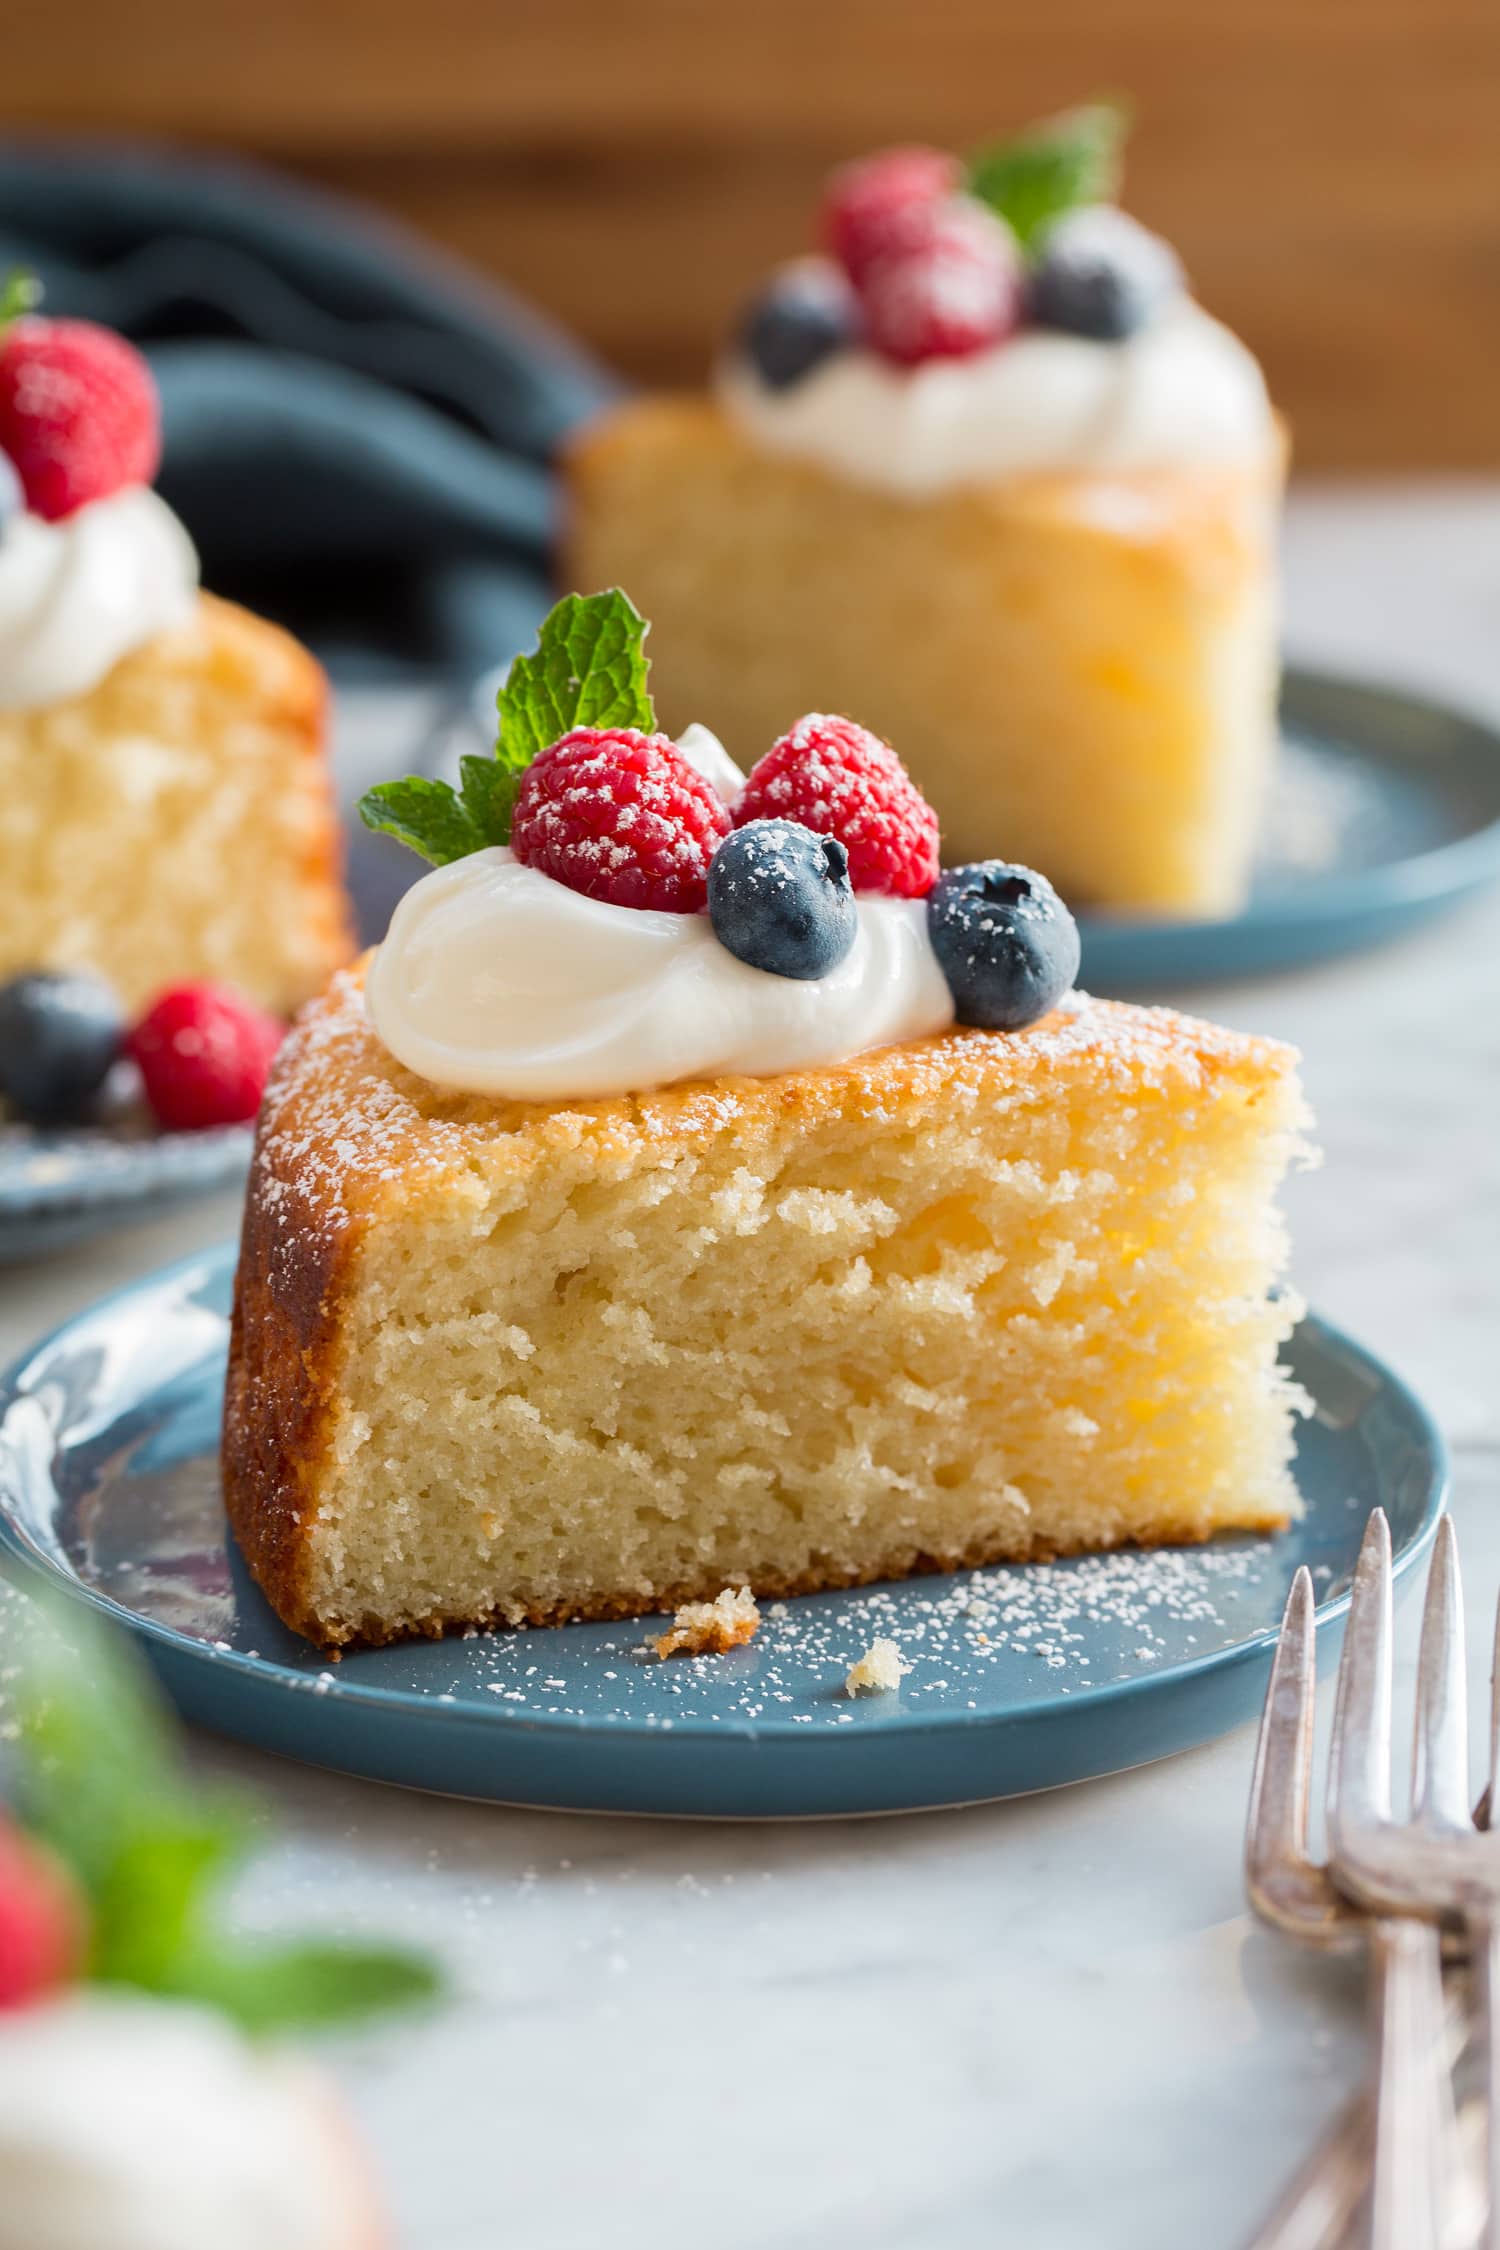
(1004, 940)
(780, 898)
(808, 313)
(1101, 274)
(60, 1034)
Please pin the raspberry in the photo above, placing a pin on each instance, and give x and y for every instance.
(204, 1053)
(78, 413)
(622, 817)
(871, 207)
(41, 1922)
(840, 780)
(955, 289)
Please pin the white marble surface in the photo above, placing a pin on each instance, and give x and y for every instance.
(1047, 2024)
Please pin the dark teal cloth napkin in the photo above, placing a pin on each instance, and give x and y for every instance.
(359, 431)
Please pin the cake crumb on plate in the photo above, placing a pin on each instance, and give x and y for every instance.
(711, 1628)
(879, 1671)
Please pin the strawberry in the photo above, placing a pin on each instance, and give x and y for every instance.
(204, 1054)
(79, 415)
(620, 816)
(41, 1920)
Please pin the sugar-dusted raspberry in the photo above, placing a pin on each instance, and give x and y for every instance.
(956, 288)
(622, 817)
(872, 206)
(204, 1053)
(79, 415)
(840, 780)
(41, 1920)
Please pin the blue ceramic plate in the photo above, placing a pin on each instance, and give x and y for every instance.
(1020, 1678)
(1385, 809)
(60, 1187)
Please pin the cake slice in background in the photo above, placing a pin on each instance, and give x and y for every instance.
(985, 474)
(166, 807)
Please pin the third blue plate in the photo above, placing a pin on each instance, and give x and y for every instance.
(1385, 809)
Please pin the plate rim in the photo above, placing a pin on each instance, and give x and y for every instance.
(271, 1674)
(1439, 872)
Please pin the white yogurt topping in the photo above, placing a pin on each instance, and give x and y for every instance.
(1183, 393)
(136, 2124)
(494, 979)
(706, 754)
(77, 595)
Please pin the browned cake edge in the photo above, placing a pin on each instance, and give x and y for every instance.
(309, 1204)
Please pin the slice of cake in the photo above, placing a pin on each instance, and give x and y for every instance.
(985, 474)
(692, 1195)
(166, 811)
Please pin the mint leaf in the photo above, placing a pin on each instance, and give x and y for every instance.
(20, 292)
(1035, 176)
(99, 1766)
(588, 670)
(279, 1987)
(148, 1907)
(428, 815)
(101, 1783)
(489, 794)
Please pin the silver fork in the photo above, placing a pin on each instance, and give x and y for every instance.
(1407, 2116)
(1438, 1864)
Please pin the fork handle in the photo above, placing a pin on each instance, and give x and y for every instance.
(1317, 2206)
(1381, 2161)
(1411, 2095)
(1484, 1952)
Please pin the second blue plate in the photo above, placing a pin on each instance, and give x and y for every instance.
(1385, 808)
(1020, 1679)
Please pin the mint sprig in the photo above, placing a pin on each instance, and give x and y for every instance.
(20, 292)
(101, 1784)
(588, 670)
(1034, 176)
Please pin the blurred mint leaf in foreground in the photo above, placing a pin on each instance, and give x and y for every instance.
(102, 1784)
(1035, 175)
(588, 670)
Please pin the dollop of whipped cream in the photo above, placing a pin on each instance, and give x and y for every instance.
(77, 595)
(494, 979)
(1182, 393)
(136, 2124)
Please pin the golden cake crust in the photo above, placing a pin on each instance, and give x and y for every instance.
(349, 1139)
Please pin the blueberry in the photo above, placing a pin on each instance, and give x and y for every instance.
(12, 494)
(808, 313)
(60, 1033)
(780, 898)
(1101, 274)
(1005, 942)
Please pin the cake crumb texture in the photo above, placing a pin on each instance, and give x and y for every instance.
(712, 1628)
(879, 1671)
(177, 822)
(977, 1298)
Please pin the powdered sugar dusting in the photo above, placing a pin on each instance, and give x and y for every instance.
(343, 1122)
(1010, 1634)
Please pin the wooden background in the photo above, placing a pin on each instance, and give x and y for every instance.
(1330, 169)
